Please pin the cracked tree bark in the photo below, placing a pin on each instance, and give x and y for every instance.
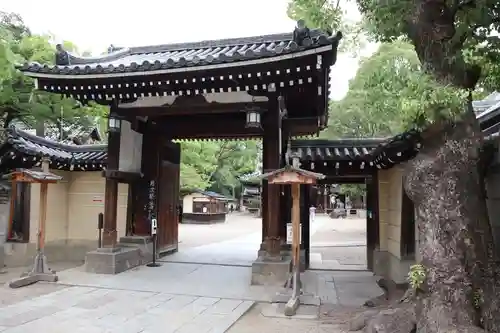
(445, 182)
(456, 244)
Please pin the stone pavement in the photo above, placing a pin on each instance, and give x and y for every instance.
(171, 298)
(339, 244)
(95, 310)
(191, 297)
(240, 249)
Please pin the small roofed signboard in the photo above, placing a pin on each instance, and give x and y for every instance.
(295, 176)
(292, 175)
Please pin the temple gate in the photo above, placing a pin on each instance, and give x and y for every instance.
(272, 87)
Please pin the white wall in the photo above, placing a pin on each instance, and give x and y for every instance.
(130, 148)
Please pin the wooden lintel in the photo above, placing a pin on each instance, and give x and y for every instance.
(186, 110)
(122, 176)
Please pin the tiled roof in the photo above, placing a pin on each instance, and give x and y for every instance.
(212, 194)
(340, 149)
(161, 57)
(378, 153)
(22, 149)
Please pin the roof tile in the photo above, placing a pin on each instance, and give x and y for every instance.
(151, 58)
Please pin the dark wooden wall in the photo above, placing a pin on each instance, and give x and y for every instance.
(168, 196)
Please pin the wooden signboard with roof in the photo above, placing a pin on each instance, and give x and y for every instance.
(295, 176)
(40, 270)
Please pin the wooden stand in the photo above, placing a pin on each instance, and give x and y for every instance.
(294, 176)
(40, 270)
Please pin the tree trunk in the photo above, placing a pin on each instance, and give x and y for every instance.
(446, 186)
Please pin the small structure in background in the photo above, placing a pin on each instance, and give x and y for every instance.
(294, 176)
(205, 207)
(40, 270)
(250, 194)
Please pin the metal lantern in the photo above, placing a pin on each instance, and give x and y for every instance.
(252, 118)
(114, 123)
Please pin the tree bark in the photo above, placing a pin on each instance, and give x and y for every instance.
(446, 186)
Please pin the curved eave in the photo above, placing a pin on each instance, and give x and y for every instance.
(14, 159)
(64, 73)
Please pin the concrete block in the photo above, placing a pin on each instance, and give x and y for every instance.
(114, 261)
(266, 272)
(291, 306)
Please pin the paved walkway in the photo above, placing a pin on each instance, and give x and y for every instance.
(239, 250)
(186, 297)
(94, 310)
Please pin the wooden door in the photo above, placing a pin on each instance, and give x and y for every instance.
(168, 198)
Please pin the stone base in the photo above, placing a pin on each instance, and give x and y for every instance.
(386, 265)
(270, 272)
(131, 252)
(33, 278)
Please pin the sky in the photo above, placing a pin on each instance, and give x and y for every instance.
(93, 25)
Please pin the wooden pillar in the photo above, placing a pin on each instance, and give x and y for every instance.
(305, 202)
(296, 226)
(325, 198)
(110, 233)
(286, 191)
(271, 161)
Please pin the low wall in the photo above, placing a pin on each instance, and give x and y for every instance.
(387, 260)
(200, 218)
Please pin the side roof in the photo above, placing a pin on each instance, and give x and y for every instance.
(162, 58)
(381, 153)
(25, 150)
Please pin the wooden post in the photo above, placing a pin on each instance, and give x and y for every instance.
(13, 201)
(325, 199)
(43, 207)
(40, 270)
(111, 192)
(296, 227)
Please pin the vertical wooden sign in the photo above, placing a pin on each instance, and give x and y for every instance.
(152, 200)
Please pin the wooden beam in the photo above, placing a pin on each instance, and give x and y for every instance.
(188, 109)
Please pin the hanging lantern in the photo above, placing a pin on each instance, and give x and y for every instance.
(114, 123)
(253, 118)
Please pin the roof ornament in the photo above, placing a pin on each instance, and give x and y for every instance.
(62, 56)
(302, 34)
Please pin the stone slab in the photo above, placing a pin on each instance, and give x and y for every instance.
(115, 262)
(84, 309)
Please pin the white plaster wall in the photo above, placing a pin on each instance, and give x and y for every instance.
(130, 149)
(187, 204)
(4, 216)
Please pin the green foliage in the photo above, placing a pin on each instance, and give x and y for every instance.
(18, 98)
(417, 276)
(217, 165)
(475, 33)
(352, 190)
(391, 94)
